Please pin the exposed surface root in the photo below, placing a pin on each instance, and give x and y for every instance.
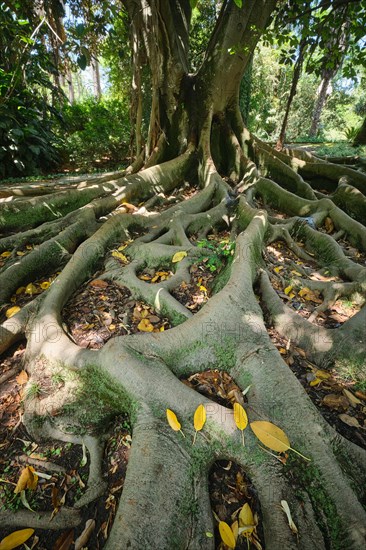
(156, 284)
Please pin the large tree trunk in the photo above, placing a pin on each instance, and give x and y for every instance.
(360, 138)
(340, 42)
(323, 92)
(196, 134)
(293, 90)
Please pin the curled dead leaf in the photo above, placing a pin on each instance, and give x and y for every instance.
(98, 283)
(119, 256)
(82, 540)
(145, 326)
(350, 420)
(45, 285)
(246, 520)
(336, 401)
(286, 509)
(28, 480)
(30, 289)
(352, 398)
(22, 378)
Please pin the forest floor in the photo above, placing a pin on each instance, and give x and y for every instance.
(101, 310)
(67, 173)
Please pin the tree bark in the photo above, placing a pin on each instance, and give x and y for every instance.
(360, 138)
(96, 78)
(196, 127)
(339, 41)
(323, 92)
(293, 90)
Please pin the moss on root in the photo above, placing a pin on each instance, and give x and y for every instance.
(308, 480)
(96, 401)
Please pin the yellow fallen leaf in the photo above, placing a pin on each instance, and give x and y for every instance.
(235, 529)
(173, 421)
(282, 351)
(28, 480)
(203, 288)
(120, 248)
(315, 382)
(145, 277)
(30, 289)
(226, 534)
(162, 329)
(240, 418)
(12, 311)
(304, 291)
(120, 256)
(199, 420)
(288, 289)
(145, 325)
(15, 539)
(5, 254)
(292, 295)
(20, 290)
(271, 436)
(322, 374)
(178, 256)
(278, 268)
(20, 253)
(45, 285)
(246, 520)
(296, 273)
(309, 295)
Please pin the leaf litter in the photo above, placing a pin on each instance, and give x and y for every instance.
(288, 278)
(336, 398)
(61, 480)
(234, 500)
(102, 310)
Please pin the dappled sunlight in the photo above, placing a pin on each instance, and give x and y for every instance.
(297, 163)
(305, 210)
(206, 298)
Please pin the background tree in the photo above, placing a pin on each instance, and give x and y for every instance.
(26, 92)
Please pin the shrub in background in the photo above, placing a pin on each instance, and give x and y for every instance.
(96, 132)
